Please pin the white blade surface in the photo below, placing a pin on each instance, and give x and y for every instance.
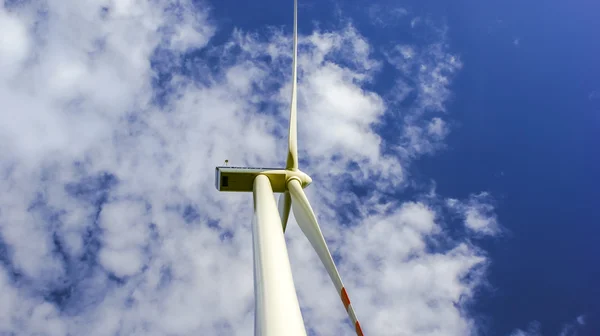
(292, 157)
(307, 221)
(284, 205)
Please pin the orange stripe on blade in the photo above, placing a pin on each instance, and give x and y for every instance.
(358, 329)
(345, 298)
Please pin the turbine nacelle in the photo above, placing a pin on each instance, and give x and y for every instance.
(241, 179)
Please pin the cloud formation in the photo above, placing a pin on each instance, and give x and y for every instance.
(573, 328)
(477, 213)
(115, 114)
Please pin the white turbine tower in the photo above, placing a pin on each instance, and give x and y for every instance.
(277, 311)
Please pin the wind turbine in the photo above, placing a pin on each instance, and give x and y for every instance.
(277, 311)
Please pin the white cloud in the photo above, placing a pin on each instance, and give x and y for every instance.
(432, 66)
(415, 21)
(125, 232)
(109, 220)
(477, 212)
(384, 16)
(408, 52)
(15, 44)
(421, 93)
(573, 328)
(437, 128)
(424, 137)
(568, 329)
(533, 329)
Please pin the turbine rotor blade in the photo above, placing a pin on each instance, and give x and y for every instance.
(292, 157)
(307, 221)
(284, 205)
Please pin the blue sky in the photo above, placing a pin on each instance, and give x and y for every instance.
(529, 123)
(451, 145)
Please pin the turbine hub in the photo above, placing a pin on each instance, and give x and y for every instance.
(307, 180)
(300, 176)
